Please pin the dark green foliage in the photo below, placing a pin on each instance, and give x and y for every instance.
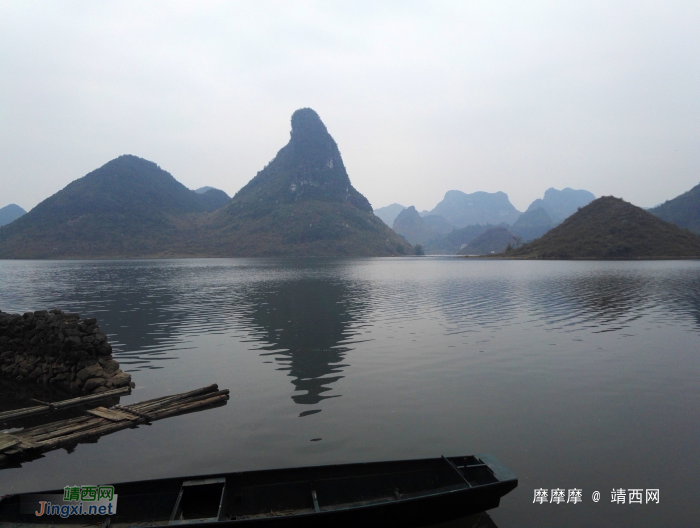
(418, 250)
(129, 206)
(683, 210)
(308, 228)
(610, 228)
(495, 240)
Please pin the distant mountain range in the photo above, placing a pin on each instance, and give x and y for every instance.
(610, 228)
(455, 240)
(532, 224)
(301, 203)
(460, 209)
(491, 241)
(629, 234)
(10, 213)
(483, 211)
(559, 205)
(412, 227)
(389, 213)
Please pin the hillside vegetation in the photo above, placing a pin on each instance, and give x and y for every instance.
(301, 203)
(610, 228)
(127, 207)
(683, 210)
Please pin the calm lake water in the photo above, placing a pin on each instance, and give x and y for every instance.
(574, 374)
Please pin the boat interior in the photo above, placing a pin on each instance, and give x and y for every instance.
(283, 492)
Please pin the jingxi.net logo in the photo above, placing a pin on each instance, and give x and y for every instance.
(76, 500)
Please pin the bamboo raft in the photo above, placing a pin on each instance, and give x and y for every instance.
(30, 442)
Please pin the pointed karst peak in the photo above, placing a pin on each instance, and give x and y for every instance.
(309, 167)
(306, 124)
(310, 138)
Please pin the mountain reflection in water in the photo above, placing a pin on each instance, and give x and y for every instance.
(305, 326)
(574, 374)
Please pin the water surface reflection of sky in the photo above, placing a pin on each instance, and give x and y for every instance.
(574, 374)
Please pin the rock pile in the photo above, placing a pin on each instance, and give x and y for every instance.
(58, 348)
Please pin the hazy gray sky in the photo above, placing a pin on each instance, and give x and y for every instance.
(421, 97)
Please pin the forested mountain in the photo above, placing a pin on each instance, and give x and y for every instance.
(559, 205)
(127, 207)
(301, 203)
(10, 213)
(683, 210)
(610, 228)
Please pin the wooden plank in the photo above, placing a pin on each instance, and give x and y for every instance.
(95, 428)
(113, 415)
(7, 441)
(187, 407)
(59, 430)
(102, 429)
(42, 429)
(186, 401)
(102, 421)
(117, 426)
(175, 397)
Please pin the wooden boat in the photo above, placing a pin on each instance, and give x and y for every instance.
(399, 493)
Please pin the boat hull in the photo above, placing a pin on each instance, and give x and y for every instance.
(398, 493)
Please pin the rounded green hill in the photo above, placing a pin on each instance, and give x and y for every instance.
(610, 228)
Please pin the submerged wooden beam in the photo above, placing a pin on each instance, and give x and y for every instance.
(93, 397)
(97, 422)
(47, 407)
